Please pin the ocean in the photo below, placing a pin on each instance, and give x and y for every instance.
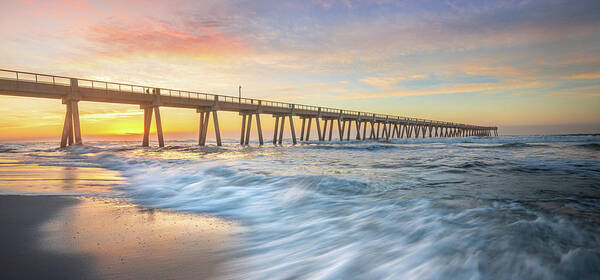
(512, 207)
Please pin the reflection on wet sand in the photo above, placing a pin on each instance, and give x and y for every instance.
(16, 177)
(128, 242)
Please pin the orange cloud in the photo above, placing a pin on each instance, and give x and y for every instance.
(57, 9)
(383, 82)
(206, 41)
(595, 75)
(459, 88)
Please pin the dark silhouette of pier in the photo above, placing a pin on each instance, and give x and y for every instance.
(150, 99)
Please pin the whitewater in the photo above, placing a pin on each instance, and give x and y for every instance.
(512, 207)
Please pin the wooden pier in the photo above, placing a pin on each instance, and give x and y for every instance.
(150, 99)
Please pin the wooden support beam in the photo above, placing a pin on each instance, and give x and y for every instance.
(282, 125)
(248, 128)
(401, 128)
(159, 131)
(76, 125)
(217, 130)
(330, 129)
(308, 129)
(71, 138)
(372, 136)
(349, 130)
(303, 127)
(319, 134)
(324, 129)
(340, 129)
(292, 130)
(205, 128)
(275, 131)
(378, 130)
(147, 123)
(201, 128)
(364, 132)
(243, 132)
(386, 127)
(388, 133)
(259, 128)
(357, 129)
(343, 130)
(67, 127)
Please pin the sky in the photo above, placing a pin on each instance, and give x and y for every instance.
(528, 67)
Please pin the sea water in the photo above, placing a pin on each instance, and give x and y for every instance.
(522, 207)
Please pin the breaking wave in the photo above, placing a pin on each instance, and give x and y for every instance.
(462, 208)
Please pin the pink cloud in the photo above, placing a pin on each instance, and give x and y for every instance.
(56, 9)
(143, 38)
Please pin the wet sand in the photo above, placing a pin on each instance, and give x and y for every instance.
(99, 238)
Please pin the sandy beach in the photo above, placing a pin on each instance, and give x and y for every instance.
(90, 238)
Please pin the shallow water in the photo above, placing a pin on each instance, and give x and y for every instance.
(466, 208)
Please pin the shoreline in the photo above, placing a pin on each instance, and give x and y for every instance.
(74, 237)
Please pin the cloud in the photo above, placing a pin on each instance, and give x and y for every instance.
(381, 82)
(452, 89)
(204, 41)
(584, 76)
(389, 81)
